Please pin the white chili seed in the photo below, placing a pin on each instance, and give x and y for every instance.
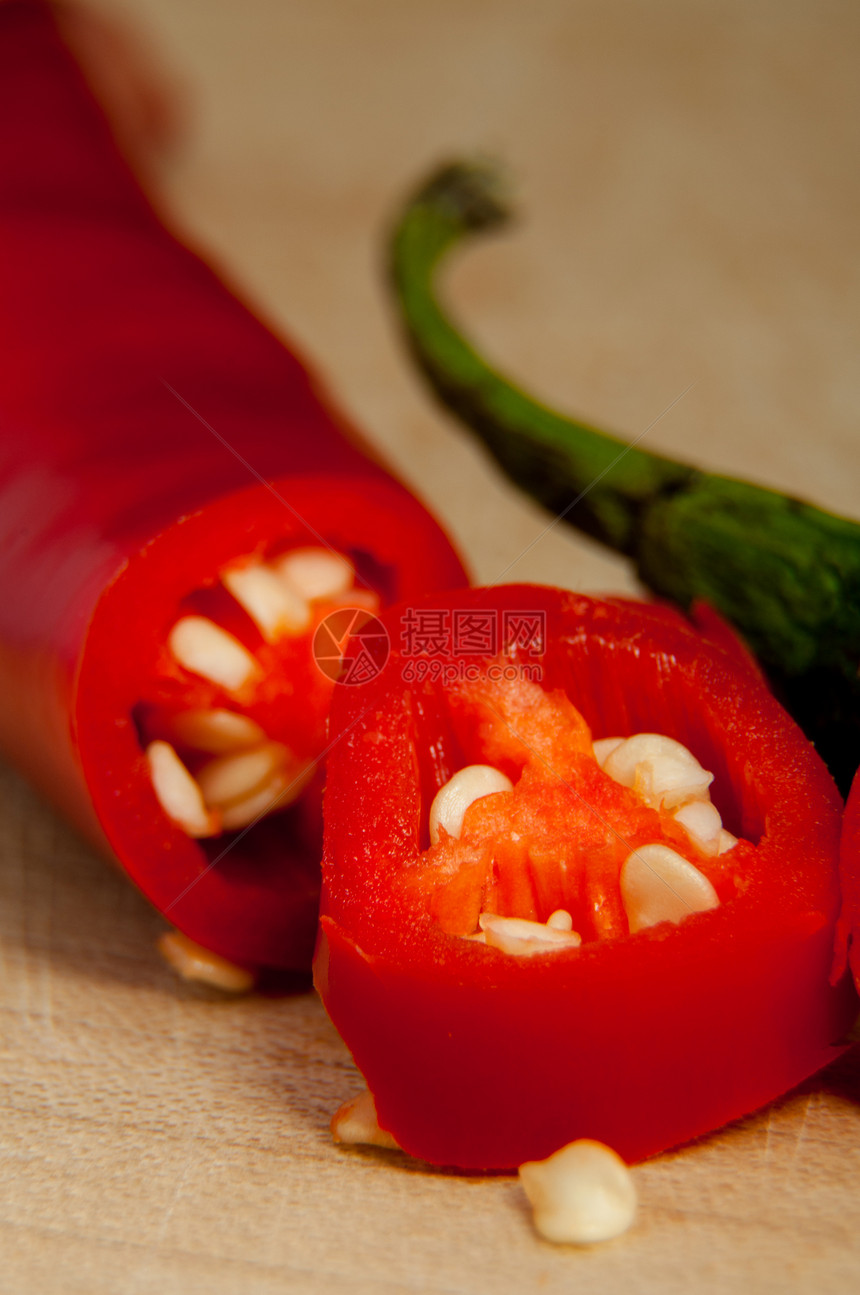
(451, 801)
(282, 790)
(206, 649)
(178, 793)
(582, 1194)
(264, 801)
(355, 1122)
(366, 599)
(217, 732)
(659, 769)
(230, 778)
(727, 842)
(660, 885)
(275, 608)
(521, 938)
(194, 962)
(604, 746)
(560, 920)
(702, 823)
(315, 573)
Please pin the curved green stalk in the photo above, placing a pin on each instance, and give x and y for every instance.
(785, 573)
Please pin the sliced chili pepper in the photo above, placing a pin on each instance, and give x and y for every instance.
(848, 942)
(784, 573)
(163, 455)
(634, 1034)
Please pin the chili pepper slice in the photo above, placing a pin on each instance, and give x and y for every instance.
(784, 573)
(164, 455)
(848, 941)
(480, 1058)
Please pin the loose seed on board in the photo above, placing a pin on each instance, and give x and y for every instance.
(193, 962)
(659, 885)
(659, 769)
(355, 1122)
(216, 732)
(451, 801)
(522, 938)
(206, 649)
(581, 1195)
(315, 573)
(275, 608)
(230, 778)
(178, 793)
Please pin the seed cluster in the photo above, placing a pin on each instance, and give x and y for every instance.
(249, 774)
(657, 883)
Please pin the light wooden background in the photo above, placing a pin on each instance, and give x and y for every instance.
(689, 188)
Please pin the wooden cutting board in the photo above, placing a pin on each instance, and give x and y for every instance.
(691, 214)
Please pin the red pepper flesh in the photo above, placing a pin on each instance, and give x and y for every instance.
(848, 942)
(482, 1060)
(117, 502)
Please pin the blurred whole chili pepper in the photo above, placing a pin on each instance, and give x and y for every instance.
(483, 1054)
(154, 436)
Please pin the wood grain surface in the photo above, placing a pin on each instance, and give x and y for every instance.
(690, 214)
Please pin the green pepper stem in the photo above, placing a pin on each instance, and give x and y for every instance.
(557, 459)
(785, 573)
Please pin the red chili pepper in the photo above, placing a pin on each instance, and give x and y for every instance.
(848, 935)
(155, 435)
(483, 1059)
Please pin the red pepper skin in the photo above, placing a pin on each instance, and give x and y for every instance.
(848, 942)
(483, 1061)
(115, 501)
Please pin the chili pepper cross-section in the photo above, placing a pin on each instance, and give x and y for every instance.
(180, 510)
(580, 880)
(848, 943)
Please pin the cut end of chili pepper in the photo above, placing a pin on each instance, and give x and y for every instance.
(651, 883)
(598, 841)
(202, 710)
(848, 931)
(158, 606)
